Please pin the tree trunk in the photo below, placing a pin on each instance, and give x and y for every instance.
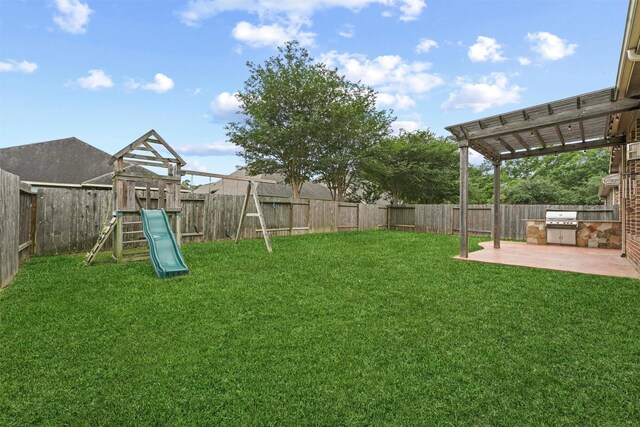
(297, 189)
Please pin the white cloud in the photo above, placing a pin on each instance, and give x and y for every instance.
(411, 9)
(11, 66)
(389, 73)
(490, 91)
(396, 80)
(347, 31)
(96, 79)
(523, 60)
(198, 10)
(549, 46)
(396, 101)
(426, 45)
(218, 148)
(225, 106)
(161, 84)
(73, 16)
(270, 35)
(195, 92)
(407, 125)
(485, 49)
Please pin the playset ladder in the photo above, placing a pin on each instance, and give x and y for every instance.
(252, 190)
(102, 238)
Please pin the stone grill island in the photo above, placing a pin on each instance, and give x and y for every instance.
(604, 234)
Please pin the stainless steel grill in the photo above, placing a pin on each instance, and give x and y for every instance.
(561, 227)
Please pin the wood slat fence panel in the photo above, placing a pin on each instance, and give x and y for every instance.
(28, 204)
(323, 216)
(70, 219)
(434, 218)
(402, 217)
(9, 226)
(369, 217)
(348, 216)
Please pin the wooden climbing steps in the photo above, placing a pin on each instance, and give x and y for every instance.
(102, 238)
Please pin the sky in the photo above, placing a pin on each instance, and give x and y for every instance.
(107, 71)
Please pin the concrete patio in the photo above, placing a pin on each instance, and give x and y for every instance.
(603, 262)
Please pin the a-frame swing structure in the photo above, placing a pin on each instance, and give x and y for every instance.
(251, 194)
(127, 204)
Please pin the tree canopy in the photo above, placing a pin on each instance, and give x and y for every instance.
(567, 178)
(304, 121)
(414, 167)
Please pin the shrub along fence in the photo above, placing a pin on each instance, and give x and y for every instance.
(69, 219)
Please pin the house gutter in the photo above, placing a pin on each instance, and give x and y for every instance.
(625, 66)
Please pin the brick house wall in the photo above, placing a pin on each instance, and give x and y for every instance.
(631, 205)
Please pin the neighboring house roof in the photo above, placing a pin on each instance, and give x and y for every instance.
(281, 189)
(607, 184)
(64, 161)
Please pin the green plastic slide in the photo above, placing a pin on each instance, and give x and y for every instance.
(165, 254)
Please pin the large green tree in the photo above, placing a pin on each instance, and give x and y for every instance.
(414, 167)
(303, 120)
(353, 126)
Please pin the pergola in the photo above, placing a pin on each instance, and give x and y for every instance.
(578, 123)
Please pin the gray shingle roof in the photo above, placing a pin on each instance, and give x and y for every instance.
(67, 161)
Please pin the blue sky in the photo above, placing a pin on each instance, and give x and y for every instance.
(108, 71)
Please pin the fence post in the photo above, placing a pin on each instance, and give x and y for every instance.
(32, 229)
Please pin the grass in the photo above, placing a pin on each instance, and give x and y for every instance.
(375, 328)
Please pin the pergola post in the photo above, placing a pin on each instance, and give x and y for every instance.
(496, 221)
(464, 202)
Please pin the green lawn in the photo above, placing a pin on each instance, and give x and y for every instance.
(367, 328)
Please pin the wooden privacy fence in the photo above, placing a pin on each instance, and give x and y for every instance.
(70, 219)
(17, 224)
(445, 218)
(66, 220)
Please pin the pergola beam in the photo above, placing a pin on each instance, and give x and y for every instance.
(521, 141)
(485, 151)
(559, 133)
(506, 145)
(539, 138)
(598, 143)
(584, 113)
